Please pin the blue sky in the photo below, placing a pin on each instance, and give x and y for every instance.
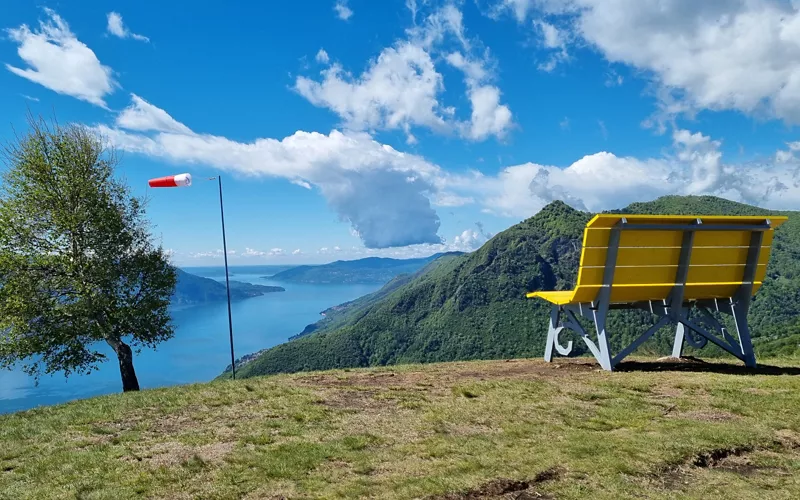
(400, 128)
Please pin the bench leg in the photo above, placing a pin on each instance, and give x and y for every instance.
(740, 318)
(553, 331)
(677, 348)
(680, 335)
(604, 351)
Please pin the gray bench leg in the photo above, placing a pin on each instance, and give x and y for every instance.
(677, 348)
(553, 331)
(740, 318)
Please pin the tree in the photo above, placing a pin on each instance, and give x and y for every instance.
(77, 264)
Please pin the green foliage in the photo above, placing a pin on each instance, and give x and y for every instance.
(474, 306)
(76, 262)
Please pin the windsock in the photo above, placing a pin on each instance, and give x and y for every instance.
(180, 180)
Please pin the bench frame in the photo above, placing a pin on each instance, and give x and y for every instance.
(673, 309)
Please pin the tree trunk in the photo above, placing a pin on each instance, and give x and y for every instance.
(125, 356)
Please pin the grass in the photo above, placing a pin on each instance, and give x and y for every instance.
(467, 430)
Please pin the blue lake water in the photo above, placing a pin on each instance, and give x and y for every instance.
(200, 349)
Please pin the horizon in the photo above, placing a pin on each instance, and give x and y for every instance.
(401, 129)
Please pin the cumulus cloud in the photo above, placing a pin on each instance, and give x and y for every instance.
(251, 252)
(397, 91)
(216, 254)
(117, 28)
(277, 252)
(489, 117)
(380, 191)
(401, 89)
(322, 57)
(343, 12)
(57, 60)
(603, 181)
(741, 55)
(297, 251)
(388, 197)
(554, 40)
(143, 116)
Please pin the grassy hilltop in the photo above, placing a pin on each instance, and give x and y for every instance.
(481, 429)
(474, 307)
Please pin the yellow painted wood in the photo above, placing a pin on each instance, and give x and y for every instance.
(647, 260)
(659, 256)
(651, 238)
(609, 220)
(558, 298)
(655, 275)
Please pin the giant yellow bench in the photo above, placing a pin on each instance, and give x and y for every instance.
(667, 265)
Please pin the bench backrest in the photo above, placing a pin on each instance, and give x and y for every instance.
(646, 253)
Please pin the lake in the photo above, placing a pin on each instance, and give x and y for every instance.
(200, 349)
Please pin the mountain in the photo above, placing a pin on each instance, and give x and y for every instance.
(369, 270)
(196, 290)
(474, 307)
(344, 314)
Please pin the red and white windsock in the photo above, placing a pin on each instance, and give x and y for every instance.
(180, 180)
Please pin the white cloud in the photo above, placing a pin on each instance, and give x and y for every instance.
(322, 57)
(143, 116)
(788, 156)
(250, 252)
(297, 251)
(741, 55)
(277, 252)
(216, 254)
(387, 195)
(57, 60)
(402, 87)
(555, 41)
(117, 28)
(381, 192)
(30, 98)
(603, 181)
(489, 117)
(343, 12)
(397, 91)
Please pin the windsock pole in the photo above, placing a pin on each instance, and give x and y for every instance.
(227, 280)
(185, 180)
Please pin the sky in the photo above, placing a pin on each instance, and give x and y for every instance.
(351, 128)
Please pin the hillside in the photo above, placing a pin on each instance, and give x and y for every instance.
(490, 429)
(349, 312)
(369, 270)
(474, 306)
(196, 290)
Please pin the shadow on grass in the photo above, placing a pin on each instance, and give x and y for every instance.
(700, 366)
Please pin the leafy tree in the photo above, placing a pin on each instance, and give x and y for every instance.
(77, 264)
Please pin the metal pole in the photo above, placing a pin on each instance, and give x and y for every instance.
(227, 281)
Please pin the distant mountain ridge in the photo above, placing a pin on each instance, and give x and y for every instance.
(474, 307)
(195, 290)
(362, 271)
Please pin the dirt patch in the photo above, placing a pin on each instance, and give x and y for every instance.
(715, 457)
(735, 460)
(172, 453)
(507, 488)
(350, 399)
(704, 416)
(446, 375)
